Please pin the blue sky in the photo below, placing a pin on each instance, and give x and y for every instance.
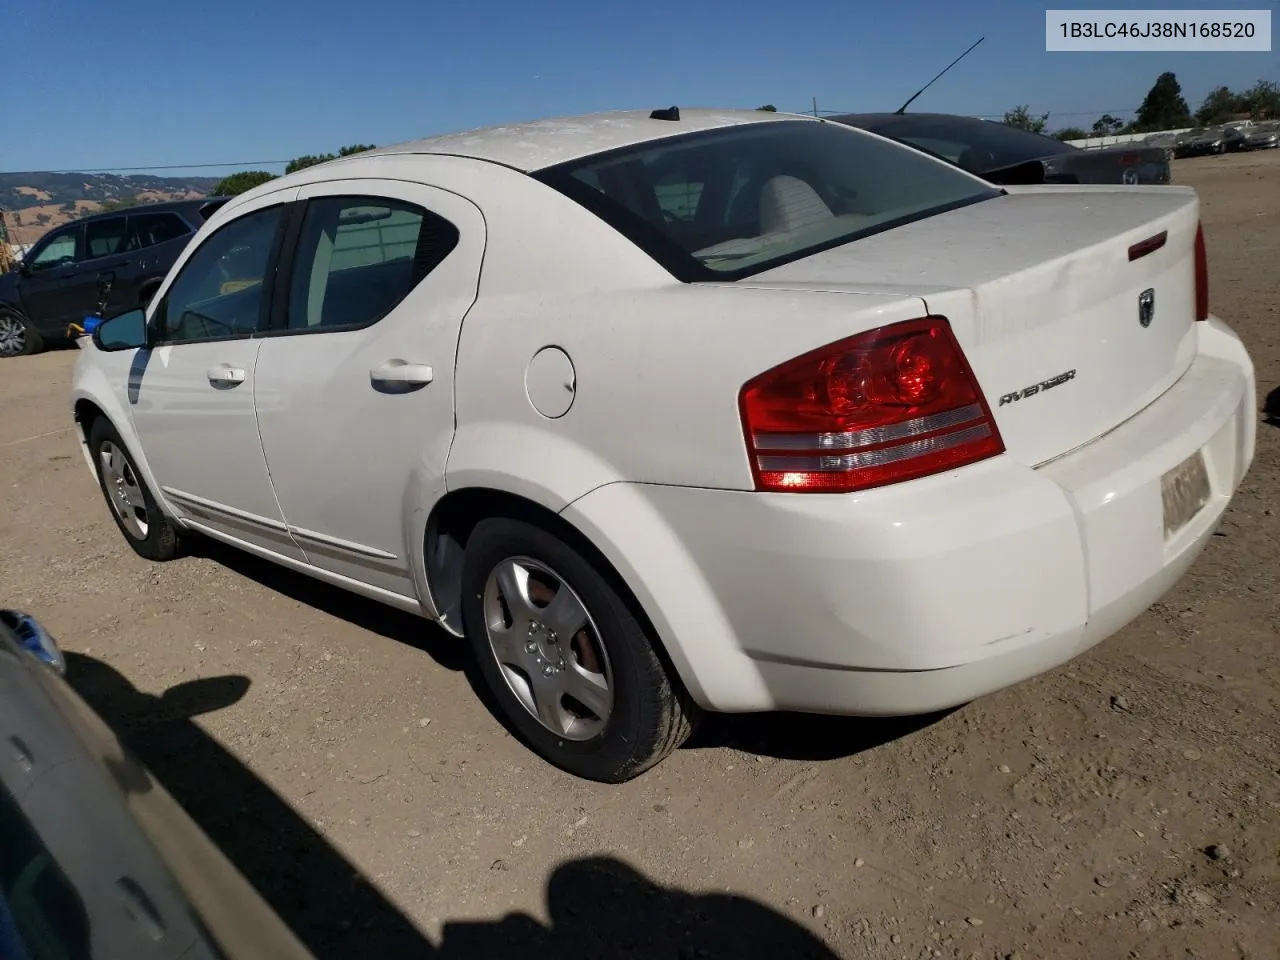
(93, 85)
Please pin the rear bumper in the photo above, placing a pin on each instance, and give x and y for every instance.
(927, 594)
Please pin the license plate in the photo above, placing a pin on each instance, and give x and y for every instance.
(1184, 490)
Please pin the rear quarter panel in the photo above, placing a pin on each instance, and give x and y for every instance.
(657, 374)
(657, 364)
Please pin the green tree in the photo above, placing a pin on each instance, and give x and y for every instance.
(1163, 108)
(768, 108)
(1107, 125)
(301, 163)
(1262, 100)
(1071, 133)
(1219, 106)
(240, 182)
(1022, 118)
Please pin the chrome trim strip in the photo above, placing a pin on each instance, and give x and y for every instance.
(874, 458)
(872, 435)
(338, 543)
(220, 508)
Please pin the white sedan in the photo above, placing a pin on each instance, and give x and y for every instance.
(689, 411)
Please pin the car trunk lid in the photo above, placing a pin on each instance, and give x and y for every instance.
(1074, 307)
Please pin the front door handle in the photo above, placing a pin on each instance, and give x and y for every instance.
(401, 373)
(225, 375)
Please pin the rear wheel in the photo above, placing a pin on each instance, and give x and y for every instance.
(134, 509)
(17, 335)
(570, 665)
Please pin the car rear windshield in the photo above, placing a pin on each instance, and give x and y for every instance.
(724, 204)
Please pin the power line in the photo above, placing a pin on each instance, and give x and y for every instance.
(167, 166)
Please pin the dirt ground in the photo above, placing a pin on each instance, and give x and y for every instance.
(339, 754)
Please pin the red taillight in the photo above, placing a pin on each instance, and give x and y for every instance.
(892, 404)
(1202, 277)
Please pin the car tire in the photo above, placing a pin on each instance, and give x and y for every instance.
(135, 511)
(633, 711)
(17, 336)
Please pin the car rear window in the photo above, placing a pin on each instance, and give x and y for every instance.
(727, 203)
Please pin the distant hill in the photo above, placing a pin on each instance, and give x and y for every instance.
(36, 202)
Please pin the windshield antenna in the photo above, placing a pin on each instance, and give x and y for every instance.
(902, 109)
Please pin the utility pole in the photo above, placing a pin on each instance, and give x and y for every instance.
(815, 106)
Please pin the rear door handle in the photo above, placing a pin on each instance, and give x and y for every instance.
(225, 375)
(401, 373)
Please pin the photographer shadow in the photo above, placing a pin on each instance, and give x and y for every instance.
(599, 908)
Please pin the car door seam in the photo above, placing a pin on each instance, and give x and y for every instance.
(257, 425)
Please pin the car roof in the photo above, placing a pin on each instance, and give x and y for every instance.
(545, 143)
(165, 206)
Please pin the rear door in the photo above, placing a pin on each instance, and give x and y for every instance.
(354, 387)
(105, 257)
(155, 241)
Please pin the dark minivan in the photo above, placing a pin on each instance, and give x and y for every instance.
(102, 264)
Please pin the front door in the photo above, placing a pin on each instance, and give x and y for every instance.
(192, 394)
(48, 283)
(355, 387)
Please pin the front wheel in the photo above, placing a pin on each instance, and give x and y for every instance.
(17, 335)
(571, 667)
(134, 509)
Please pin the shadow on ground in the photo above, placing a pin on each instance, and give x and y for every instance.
(599, 908)
(1271, 408)
(800, 736)
(425, 635)
(780, 735)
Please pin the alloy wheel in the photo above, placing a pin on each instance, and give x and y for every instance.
(548, 648)
(124, 492)
(13, 335)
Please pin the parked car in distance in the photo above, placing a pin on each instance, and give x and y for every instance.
(1262, 136)
(1208, 141)
(97, 861)
(108, 262)
(1006, 155)
(744, 412)
(1164, 141)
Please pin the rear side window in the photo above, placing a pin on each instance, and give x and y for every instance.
(358, 257)
(102, 238)
(727, 203)
(149, 229)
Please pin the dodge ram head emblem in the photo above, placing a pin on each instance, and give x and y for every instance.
(1146, 307)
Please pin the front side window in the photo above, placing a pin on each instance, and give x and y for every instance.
(148, 229)
(102, 238)
(60, 250)
(358, 257)
(727, 203)
(219, 292)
